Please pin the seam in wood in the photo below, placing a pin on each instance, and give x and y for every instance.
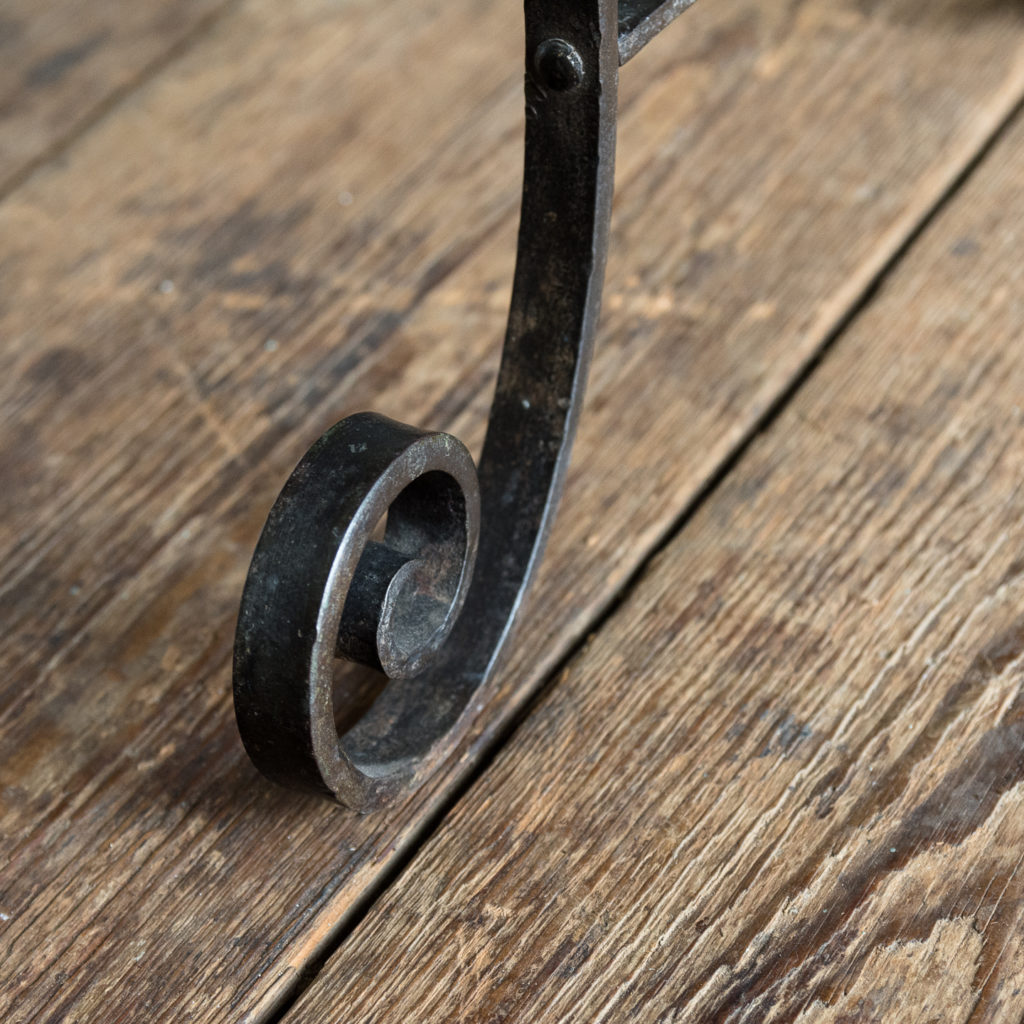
(56, 149)
(348, 922)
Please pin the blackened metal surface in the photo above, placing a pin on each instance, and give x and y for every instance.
(641, 20)
(414, 604)
(301, 608)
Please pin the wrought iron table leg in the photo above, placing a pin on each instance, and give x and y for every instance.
(432, 604)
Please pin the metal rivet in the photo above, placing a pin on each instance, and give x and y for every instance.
(558, 65)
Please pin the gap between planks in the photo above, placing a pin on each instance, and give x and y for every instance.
(739, 997)
(59, 146)
(493, 748)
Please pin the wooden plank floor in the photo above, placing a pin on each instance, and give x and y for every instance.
(785, 781)
(65, 64)
(267, 233)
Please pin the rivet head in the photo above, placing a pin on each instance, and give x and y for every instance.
(558, 65)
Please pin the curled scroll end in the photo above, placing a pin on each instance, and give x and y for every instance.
(321, 587)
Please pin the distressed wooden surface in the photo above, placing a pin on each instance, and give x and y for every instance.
(785, 781)
(64, 63)
(272, 233)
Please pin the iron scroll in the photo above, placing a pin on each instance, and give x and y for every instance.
(433, 601)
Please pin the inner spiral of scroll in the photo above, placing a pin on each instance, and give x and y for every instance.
(405, 592)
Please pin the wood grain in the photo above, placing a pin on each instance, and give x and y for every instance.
(785, 782)
(63, 63)
(313, 212)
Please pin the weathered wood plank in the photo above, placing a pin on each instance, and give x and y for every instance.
(63, 62)
(786, 780)
(314, 212)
